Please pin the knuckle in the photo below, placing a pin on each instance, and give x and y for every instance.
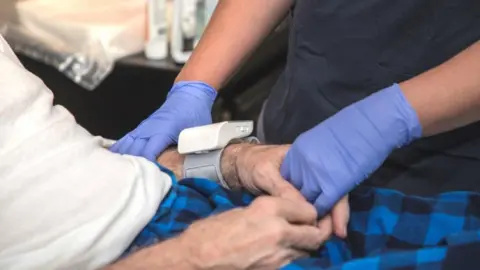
(279, 230)
(263, 203)
(313, 238)
(326, 226)
(311, 211)
(262, 165)
(329, 229)
(318, 241)
(308, 210)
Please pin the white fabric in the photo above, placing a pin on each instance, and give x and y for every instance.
(65, 201)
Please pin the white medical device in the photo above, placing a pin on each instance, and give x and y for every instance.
(189, 20)
(183, 30)
(212, 137)
(156, 46)
(205, 9)
(204, 145)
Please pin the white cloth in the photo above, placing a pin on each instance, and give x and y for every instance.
(65, 201)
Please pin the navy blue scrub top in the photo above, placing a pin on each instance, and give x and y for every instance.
(341, 51)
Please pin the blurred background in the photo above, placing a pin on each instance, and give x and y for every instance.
(112, 63)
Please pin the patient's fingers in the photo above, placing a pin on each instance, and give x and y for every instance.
(340, 217)
(137, 147)
(279, 187)
(306, 237)
(325, 225)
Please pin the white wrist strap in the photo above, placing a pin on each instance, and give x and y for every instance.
(208, 165)
(205, 165)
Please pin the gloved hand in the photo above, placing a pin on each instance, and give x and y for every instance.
(328, 161)
(188, 104)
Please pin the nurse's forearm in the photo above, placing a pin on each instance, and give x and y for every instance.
(448, 96)
(235, 30)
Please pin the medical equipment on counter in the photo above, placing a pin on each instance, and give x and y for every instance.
(204, 146)
(189, 20)
(205, 9)
(156, 47)
(181, 27)
(80, 38)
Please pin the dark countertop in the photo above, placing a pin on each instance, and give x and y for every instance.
(139, 60)
(134, 89)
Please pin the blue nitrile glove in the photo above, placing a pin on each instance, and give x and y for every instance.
(188, 104)
(328, 161)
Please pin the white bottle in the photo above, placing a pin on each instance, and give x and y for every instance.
(205, 9)
(183, 29)
(156, 47)
(189, 21)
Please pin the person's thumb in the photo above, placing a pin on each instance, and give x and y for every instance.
(340, 216)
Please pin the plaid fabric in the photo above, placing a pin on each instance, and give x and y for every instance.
(387, 230)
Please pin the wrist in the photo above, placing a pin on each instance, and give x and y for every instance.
(229, 163)
(178, 253)
(174, 161)
(195, 257)
(390, 117)
(192, 75)
(187, 257)
(198, 89)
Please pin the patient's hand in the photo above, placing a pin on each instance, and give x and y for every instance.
(253, 167)
(256, 168)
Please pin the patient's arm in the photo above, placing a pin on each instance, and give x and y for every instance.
(253, 167)
(172, 160)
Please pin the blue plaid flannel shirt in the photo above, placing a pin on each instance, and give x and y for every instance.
(387, 229)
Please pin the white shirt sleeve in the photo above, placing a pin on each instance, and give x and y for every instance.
(66, 202)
